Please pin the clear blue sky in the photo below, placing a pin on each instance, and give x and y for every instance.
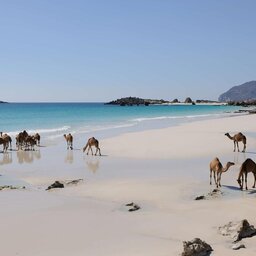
(56, 50)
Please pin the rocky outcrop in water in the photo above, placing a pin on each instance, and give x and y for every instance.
(134, 101)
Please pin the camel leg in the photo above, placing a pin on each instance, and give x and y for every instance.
(246, 181)
(214, 174)
(237, 146)
(99, 151)
(210, 177)
(219, 178)
(91, 150)
(234, 146)
(244, 148)
(71, 145)
(254, 180)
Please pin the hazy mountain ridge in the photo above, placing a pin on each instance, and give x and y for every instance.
(243, 92)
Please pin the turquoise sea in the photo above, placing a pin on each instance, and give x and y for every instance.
(52, 120)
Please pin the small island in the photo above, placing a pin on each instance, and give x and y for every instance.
(135, 101)
(3, 102)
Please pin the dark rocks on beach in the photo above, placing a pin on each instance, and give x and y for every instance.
(196, 247)
(74, 182)
(238, 246)
(238, 230)
(56, 184)
(200, 198)
(11, 187)
(134, 207)
(213, 194)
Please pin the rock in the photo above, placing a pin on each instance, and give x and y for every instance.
(56, 184)
(196, 247)
(238, 246)
(11, 187)
(200, 198)
(238, 230)
(134, 207)
(74, 182)
(188, 100)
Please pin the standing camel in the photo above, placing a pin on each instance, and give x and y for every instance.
(92, 142)
(247, 166)
(5, 143)
(37, 137)
(69, 140)
(7, 138)
(236, 138)
(217, 168)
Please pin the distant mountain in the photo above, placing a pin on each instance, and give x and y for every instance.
(243, 92)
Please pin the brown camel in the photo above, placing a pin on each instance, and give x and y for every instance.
(92, 142)
(5, 143)
(247, 166)
(69, 140)
(7, 138)
(37, 137)
(20, 139)
(217, 168)
(236, 138)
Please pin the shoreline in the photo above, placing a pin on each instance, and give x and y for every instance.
(162, 170)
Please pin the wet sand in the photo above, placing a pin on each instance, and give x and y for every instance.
(160, 170)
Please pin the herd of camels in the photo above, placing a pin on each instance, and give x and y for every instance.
(27, 142)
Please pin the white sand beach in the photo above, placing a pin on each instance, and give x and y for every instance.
(161, 170)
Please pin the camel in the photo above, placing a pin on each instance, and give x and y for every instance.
(69, 140)
(92, 142)
(20, 139)
(7, 138)
(247, 166)
(217, 168)
(37, 137)
(5, 143)
(236, 138)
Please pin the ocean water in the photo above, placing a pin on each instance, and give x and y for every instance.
(52, 120)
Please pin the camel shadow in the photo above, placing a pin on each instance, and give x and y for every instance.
(250, 152)
(231, 187)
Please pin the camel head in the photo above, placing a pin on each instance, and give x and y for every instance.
(230, 164)
(240, 183)
(227, 134)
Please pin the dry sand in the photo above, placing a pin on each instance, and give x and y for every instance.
(161, 170)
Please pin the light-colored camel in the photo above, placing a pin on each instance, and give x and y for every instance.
(217, 169)
(236, 138)
(7, 138)
(69, 140)
(92, 142)
(247, 166)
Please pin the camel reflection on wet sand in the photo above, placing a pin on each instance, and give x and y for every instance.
(69, 157)
(27, 156)
(6, 158)
(93, 165)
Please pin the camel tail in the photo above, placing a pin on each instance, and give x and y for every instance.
(86, 146)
